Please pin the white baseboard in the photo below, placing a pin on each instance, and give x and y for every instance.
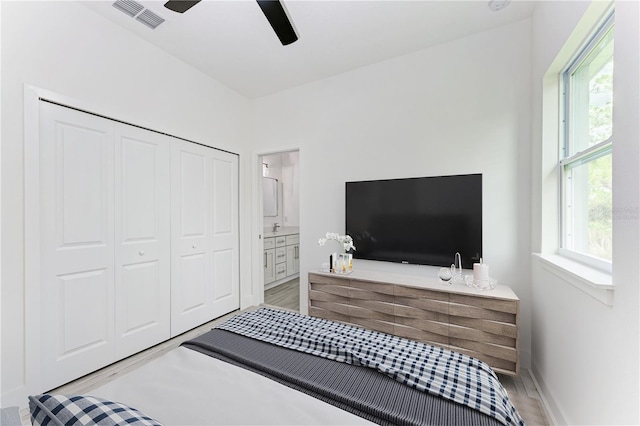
(556, 416)
(15, 397)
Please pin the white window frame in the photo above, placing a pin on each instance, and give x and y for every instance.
(604, 147)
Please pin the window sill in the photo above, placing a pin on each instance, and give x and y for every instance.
(595, 283)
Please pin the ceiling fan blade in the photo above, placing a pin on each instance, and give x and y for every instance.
(180, 6)
(277, 17)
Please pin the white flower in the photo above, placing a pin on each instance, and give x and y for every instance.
(345, 240)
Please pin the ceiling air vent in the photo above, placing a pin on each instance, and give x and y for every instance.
(150, 19)
(136, 10)
(129, 7)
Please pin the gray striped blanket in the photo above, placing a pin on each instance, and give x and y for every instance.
(428, 368)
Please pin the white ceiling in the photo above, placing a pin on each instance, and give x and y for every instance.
(232, 42)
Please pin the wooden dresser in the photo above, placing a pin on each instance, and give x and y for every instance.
(482, 324)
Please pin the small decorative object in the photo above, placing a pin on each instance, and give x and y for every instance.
(457, 269)
(489, 284)
(343, 263)
(340, 263)
(345, 240)
(446, 274)
(480, 278)
(480, 271)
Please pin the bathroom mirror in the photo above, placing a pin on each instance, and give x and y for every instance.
(270, 196)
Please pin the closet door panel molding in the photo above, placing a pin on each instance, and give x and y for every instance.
(204, 205)
(142, 222)
(76, 244)
(224, 237)
(191, 236)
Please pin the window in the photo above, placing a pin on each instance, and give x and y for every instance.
(585, 160)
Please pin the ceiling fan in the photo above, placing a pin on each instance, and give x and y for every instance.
(272, 9)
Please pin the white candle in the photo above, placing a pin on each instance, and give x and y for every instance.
(480, 272)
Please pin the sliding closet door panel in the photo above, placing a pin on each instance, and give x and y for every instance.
(224, 238)
(142, 221)
(190, 236)
(76, 244)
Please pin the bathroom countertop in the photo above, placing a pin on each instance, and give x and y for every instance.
(285, 230)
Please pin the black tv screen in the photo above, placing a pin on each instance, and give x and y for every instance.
(422, 221)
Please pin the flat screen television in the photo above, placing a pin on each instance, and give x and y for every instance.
(422, 221)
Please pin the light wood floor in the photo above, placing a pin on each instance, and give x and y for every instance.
(286, 296)
(521, 389)
(525, 397)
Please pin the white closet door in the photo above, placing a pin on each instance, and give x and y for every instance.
(204, 235)
(191, 190)
(76, 244)
(138, 240)
(142, 252)
(224, 247)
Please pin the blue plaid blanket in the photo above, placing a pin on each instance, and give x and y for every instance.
(428, 368)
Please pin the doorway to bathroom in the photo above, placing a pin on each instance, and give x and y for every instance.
(281, 235)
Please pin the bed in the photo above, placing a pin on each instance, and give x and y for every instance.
(277, 367)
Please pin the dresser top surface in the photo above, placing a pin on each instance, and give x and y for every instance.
(424, 282)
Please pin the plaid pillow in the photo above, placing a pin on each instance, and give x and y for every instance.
(83, 410)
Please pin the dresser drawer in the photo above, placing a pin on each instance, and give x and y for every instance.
(281, 255)
(281, 241)
(269, 243)
(281, 270)
(293, 239)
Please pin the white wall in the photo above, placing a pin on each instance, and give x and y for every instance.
(585, 353)
(66, 48)
(460, 107)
